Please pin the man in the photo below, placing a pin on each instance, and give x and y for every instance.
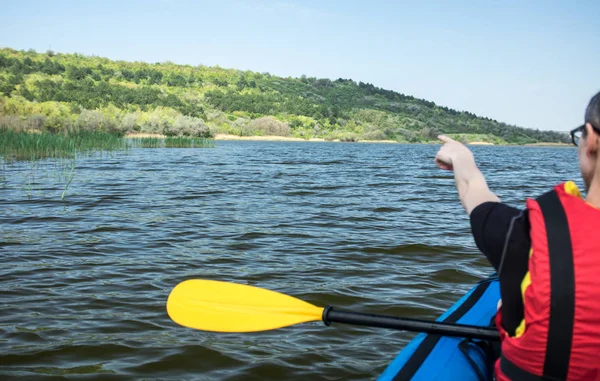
(548, 260)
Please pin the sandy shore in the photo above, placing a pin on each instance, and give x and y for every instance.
(481, 144)
(549, 145)
(270, 138)
(378, 141)
(142, 135)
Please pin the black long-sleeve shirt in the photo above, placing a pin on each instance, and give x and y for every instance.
(498, 228)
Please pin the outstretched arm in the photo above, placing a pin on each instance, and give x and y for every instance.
(470, 183)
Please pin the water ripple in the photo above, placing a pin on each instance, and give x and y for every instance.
(368, 227)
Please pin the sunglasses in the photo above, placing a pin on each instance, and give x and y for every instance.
(576, 133)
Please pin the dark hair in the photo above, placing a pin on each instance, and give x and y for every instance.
(592, 113)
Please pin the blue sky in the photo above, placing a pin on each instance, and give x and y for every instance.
(531, 63)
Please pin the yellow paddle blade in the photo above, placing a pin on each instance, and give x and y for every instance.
(218, 306)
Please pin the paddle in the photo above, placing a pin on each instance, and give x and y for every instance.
(217, 306)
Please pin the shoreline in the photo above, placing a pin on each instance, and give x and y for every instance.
(274, 138)
(269, 138)
(549, 145)
(141, 135)
(481, 144)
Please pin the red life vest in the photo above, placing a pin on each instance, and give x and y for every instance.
(559, 337)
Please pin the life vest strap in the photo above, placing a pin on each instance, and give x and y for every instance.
(516, 373)
(562, 287)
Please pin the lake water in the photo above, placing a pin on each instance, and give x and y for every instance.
(369, 227)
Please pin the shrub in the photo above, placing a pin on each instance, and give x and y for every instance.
(430, 133)
(188, 126)
(158, 122)
(130, 123)
(270, 126)
(375, 135)
(89, 120)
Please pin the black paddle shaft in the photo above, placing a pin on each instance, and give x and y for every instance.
(331, 315)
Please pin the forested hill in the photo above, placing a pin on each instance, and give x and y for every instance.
(54, 92)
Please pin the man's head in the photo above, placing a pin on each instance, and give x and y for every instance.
(587, 139)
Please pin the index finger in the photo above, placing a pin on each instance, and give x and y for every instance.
(446, 139)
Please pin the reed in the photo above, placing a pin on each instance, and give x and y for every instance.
(86, 141)
(62, 197)
(178, 142)
(204, 143)
(3, 172)
(170, 142)
(20, 145)
(184, 142)
(32, 146)
(146, 142)
(35, 146)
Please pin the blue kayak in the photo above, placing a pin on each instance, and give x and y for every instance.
(434, 357)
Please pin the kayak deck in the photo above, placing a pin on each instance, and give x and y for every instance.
(434, 357)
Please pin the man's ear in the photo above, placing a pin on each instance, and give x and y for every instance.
(593, 140)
